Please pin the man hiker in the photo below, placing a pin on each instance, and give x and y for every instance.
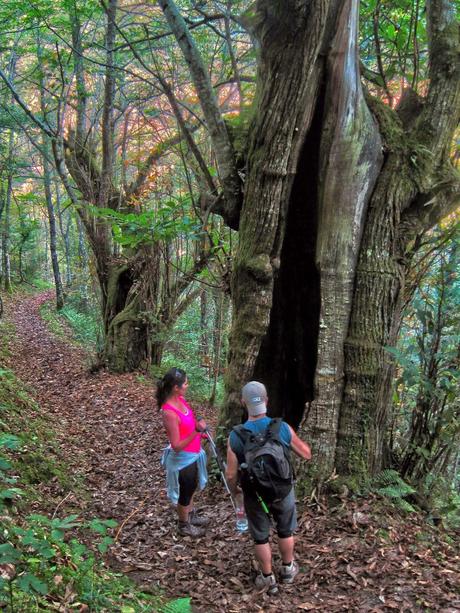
(274, 497)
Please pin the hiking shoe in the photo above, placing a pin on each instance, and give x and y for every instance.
(266, 583)
(185, 528)
(198, 520)
(288, 573)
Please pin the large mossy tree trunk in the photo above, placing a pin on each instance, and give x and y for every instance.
(127, 327)
(312, 163)
(281, 192)
(337, 191)
(141, 304)
(415, 189)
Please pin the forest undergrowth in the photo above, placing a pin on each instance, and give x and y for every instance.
(355, 554)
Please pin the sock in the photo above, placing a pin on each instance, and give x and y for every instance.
(267, 575)
(287, 564)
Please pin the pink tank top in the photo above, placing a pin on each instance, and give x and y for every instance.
(186, 425)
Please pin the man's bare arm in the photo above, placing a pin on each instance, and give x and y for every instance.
(299, 447)
(231, 473)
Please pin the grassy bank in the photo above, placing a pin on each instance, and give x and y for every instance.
(51, 557)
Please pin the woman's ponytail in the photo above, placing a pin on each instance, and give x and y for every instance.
(165, 385)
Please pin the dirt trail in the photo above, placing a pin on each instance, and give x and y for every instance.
(108, 422)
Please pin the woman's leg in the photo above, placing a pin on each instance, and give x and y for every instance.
(188, 481)
(183, 512)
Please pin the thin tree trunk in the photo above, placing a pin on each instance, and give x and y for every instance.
(47, 182)
(65, 235)
(6, 238)
(204, 343)
(2, 209)
(82, 251)
(219, 300)
(7, 217)
(52, 231)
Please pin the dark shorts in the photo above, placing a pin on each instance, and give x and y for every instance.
(188, 481)
(283, 513)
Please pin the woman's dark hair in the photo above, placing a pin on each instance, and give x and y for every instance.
(174, 376)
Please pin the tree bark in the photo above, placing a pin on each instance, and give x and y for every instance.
(47, 182)
(326, 227)
(6, 260)
(280, 192)
(350, 160)
(418, 148)
(64, 228)
(52, 230)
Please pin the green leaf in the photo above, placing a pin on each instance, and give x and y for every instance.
(9, 554)
(30, 583)
(10, 493)
(100, 526)
(57, 535)
(180, 605)
(4, 464)
(9, 441)
(66, 523)
(105, 544)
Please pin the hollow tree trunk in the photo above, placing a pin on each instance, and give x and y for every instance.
(350, 160)
(140, 309)
(277, 194)
(293, 281)
(325, 228)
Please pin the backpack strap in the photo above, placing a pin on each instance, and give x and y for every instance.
(241, 433)
(274, 426)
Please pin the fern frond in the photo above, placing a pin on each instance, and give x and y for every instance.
(180, 605)
(398, 490)
(404, 505)
(390, 484)
(388, 477)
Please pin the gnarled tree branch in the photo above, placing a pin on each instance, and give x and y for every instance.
(218, 132)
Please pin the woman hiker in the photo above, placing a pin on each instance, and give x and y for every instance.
(184, 459)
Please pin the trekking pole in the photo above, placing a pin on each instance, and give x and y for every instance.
(220, 463)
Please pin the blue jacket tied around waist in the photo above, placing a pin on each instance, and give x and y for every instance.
(174, 461)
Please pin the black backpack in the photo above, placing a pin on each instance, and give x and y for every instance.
(267, 467)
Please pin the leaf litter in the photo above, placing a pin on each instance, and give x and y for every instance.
(353, 557)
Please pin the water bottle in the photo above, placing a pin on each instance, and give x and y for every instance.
(241, 519)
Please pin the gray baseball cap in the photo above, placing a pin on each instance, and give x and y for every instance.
(254, 397)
